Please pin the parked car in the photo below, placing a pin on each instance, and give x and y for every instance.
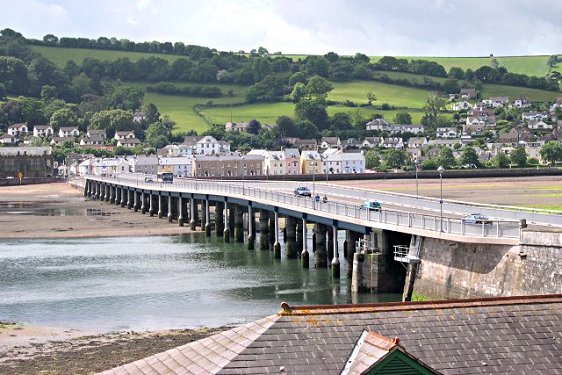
(476, 219)
(148, 179)
(302, 191)
(370, 205)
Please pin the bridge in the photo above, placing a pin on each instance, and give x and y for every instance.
(399, 234)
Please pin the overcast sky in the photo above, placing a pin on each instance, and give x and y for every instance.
(373, 27)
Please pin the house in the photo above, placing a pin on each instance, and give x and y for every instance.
(292, 158)
(350, 143)
(228, 165)
(124, 135)
(304, 144)
(175, 150)
(94, 139)
(8, 139)
(446, 132)
(18, 130)
(539, 125)
(147, 164)
(462, 106)
(555, 105)
(330, 142)
(42, 131)
(235, 126)
(481, 117)
(30, 161)
(139, 117)
(206, 145)
(377, 123)
(468, 93)
(371, 142)
(515, 136)
(496, 101)
(96, 133)
(392, 142)
(69, 131)
(109, 166)
(274, 161)
(352, 162)
(417, 142)
(310, 162)
(59, 141)
(473, 129)
(521, 102)
(179, 166)
(534, 116)
(478, 335)
(128, 142)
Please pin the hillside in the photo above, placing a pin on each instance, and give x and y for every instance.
(192, 113)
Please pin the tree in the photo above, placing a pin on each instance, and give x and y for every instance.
(286, 126)
(151, 113)
(3, 92)
(50, 39)
(317, 65)
(14, 75)
(372, 160)
(446, 158)
(157, 135)
(296, 78)
(307, 129)
(456, 73)
(469, 156)
(551, 152)
(518, 157)
(371, 98)
(403, 118)
(63, 117)
(253, 127)
(48, 93)
(433, 106)
(113, 120)
(395, 158)
(126, 98)
(32, 111)
(500, 160)
(299, 92)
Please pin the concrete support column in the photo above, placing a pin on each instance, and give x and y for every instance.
(299, 237)
(151, 204)
(304, 254)
(226, 231)
(123, 193)
(350, 250)
(251, 226)
(320, 256)
(231, 217)
(272, 234)
(87, 188)
(276, 244)
(181, 211)
(335, 264)
(219, 219)
(107, 195)
(330, 243)
(170, 215)
(129, 199)
(264, 230)
(192, 213)
(160, 208)
(239, 224)
(291, 237)
(136, 201)
(207, 219)
(143, 203)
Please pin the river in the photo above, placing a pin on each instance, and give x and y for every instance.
(151, 283)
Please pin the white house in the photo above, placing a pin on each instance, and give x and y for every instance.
(371, 142)
(496, 101)
(8, 139)
(42, 131)
(59, 141)
(449, 143)
(69, 131)
(447, 132)
(392, 142)
(124, 135)
(539, 125)
(377, 123)
(18, 130)
(206, 145)
(330, 142)
(110, 166)
(353, 162)
(179, 166)
(534, 116)
(462, 106)
(417, 142)
(521, 102)
(128, 142)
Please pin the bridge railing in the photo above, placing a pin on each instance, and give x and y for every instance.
(497, 228)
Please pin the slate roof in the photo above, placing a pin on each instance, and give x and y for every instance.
(494, 335)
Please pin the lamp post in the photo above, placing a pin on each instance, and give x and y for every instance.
(416, 163)
(440, 170)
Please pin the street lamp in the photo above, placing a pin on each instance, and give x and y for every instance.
(416, 163)
(440, 170)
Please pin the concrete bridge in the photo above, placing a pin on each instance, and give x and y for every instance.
(412, 244)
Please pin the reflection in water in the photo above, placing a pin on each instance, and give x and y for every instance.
(155, 282)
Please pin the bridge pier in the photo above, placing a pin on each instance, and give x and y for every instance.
(320, 256)
(181, 212)
(150, 204)
(192, 213)
(122, 203)
(239, 224)
(136, 201)
(276, 244)
(226, 232)
(304, 254)
(264, 230)
(350, 248)
(299, 237)
(231, 218)
(207, 219)
(160, 208)
(219, 219)
(170, 214)
(143, 203)
(251, 228)
(106, 196)
(271, 232)
(291, 237)
(335, 264)
(129, 198)
(330, 242)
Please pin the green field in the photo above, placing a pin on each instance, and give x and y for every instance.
(398, 96)
(60, 55)
(513, 92)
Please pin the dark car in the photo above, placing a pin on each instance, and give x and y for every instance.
(302, 191)
(476, 219)
(148, 179)
(370, 205)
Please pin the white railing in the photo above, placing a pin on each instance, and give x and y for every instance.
(509, 229)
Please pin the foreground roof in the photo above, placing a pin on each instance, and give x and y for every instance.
(496, 335)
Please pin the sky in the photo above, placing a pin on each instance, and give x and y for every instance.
(372, 27)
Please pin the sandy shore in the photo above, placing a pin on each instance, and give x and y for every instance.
(61, 211)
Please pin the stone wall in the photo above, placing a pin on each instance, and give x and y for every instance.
(457, 270)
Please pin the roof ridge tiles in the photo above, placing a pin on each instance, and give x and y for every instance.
(425, 305)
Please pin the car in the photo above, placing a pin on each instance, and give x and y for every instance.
(476, 219)
(148, 179)
(302, 191)
(370, 205)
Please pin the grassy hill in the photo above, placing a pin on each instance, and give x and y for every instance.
(193, 113)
